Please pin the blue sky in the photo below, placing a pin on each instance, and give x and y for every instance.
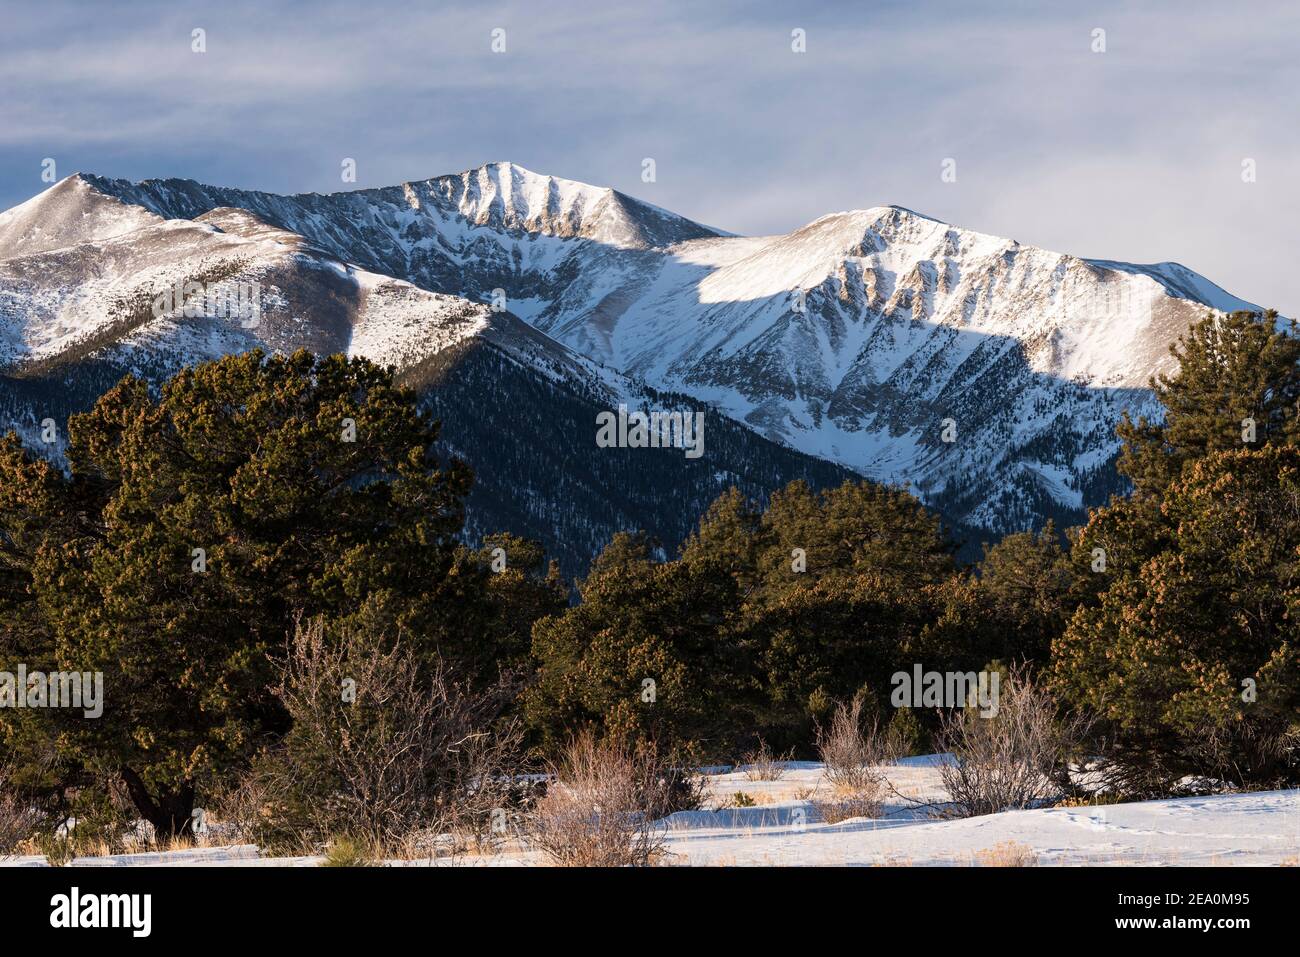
(1134, 154)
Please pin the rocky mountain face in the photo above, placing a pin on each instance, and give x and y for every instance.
(985, 374)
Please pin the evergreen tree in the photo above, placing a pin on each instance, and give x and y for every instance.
(645, 657)
(1238, 374)
(1026, 590)
(1184, 642)
(196, 524)
(1192, 654)
(850, 579)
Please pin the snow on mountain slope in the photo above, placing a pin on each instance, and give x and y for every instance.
(91, 305)
(506, 196)
(863, 335)
(985, 374)
(860, 335)
(57, 302)
(70, 212)
(433, 217)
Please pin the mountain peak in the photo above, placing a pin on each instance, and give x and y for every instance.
(499, 195)
(897, 212)
(74, 210)
(849, 338)
(503, 194)
(514, 171)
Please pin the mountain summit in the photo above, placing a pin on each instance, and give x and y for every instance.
(985, 374)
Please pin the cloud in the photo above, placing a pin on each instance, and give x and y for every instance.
(1130, 154)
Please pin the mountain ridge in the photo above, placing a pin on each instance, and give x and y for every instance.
(985, 374)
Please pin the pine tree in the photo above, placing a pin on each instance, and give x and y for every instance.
(644, 658)
(768, 616)
(1027, 589)
(1238, 384)
(1184, 642)
(1192, 655)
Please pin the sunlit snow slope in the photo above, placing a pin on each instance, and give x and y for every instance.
(863, 338)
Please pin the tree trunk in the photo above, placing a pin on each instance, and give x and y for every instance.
(170, 813)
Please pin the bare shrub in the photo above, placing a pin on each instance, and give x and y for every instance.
(413, 749)
(239, 804)
(42, 812)
(1212, 757)
(602, 806)
(1235, 754)
(762, 765)
(853, 751)
(1017, 758)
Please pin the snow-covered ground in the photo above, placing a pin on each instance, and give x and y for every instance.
(1259, 828)
(783, 828)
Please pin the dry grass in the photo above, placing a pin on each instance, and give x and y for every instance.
(846, 806)
(742, 798)
(1090, 800)
(733, 800)
(1006, 854)
(18, 819)
(351, 852)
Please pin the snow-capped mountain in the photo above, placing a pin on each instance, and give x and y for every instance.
(986, 374)
(82, 274)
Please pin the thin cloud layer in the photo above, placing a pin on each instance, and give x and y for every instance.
(1135, 153)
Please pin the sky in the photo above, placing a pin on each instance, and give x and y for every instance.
(1139, 152)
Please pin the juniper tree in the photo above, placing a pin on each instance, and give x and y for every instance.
(195, 522)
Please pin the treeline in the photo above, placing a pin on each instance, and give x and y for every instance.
(239, 551)
(555, 486)
(194, 528)
(1168, 621)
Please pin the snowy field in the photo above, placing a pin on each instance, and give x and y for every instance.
(1261, 828)
(783, 828)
